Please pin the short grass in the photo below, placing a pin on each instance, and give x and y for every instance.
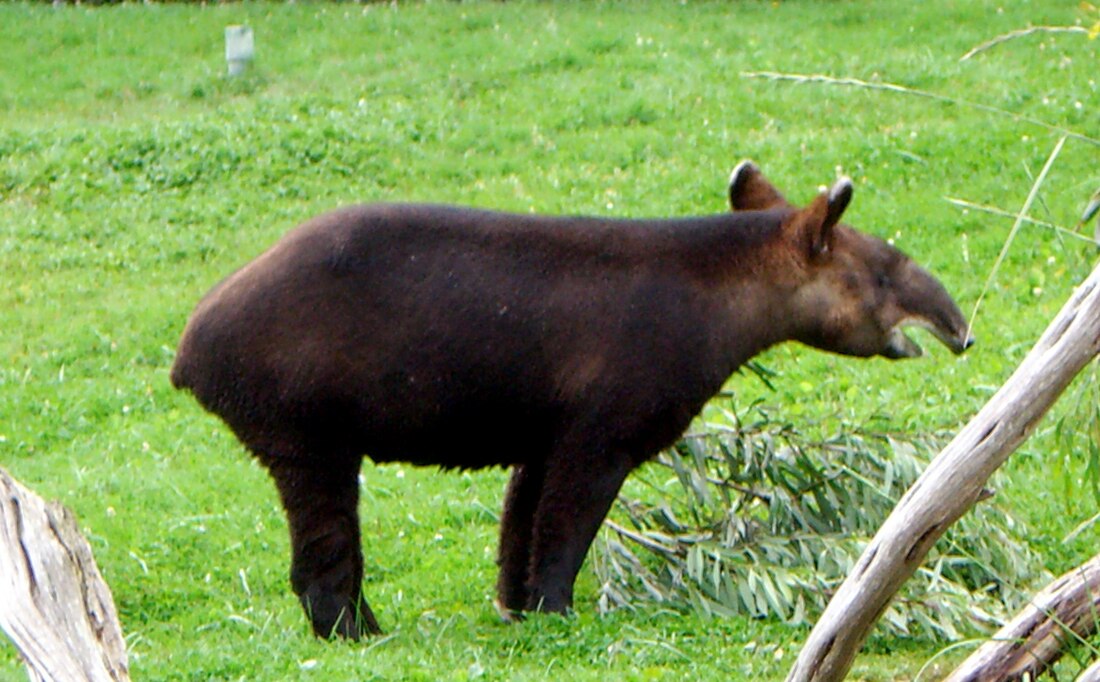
(134, 175)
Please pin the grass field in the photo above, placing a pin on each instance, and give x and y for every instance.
(134, 175)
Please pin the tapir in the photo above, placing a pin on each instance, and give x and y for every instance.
(571, 349)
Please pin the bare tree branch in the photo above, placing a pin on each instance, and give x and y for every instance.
(1064, 612)
(1019, 33)
(56, 606)
(951, 485)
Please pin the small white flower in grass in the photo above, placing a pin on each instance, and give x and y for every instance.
(400, 473)
(308, 664)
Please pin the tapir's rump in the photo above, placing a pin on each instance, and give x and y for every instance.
(571, 349)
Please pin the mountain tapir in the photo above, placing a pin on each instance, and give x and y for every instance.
(571, 349)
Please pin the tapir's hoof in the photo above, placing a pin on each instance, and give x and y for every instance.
(348, 629)
(507, 615)
(332, 622)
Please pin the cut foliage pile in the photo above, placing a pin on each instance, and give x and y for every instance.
(767, 522)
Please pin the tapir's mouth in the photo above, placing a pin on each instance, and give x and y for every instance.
(899, 345)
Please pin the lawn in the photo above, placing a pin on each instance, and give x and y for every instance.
(134, 175)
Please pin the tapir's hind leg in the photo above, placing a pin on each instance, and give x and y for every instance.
(576, 496)
(327, 565)
(516, 526)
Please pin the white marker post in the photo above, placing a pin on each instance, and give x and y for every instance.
(238, 48)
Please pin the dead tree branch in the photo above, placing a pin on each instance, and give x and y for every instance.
(950, 485)
(1064, 612)
(56, 606)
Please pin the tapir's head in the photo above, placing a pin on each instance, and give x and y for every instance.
(849, 292)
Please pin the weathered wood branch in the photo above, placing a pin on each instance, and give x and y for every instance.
(1056, 617)
(950, 485)
(1090, 674)
(55, 605)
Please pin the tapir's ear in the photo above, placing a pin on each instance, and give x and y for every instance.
(839, 196)
(815, 225)
(750, 190)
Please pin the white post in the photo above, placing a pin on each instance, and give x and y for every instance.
(238, 48)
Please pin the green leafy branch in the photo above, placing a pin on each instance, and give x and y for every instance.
(767, 522)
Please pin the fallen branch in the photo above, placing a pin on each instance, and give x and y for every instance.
(56, 607)
(950, 485)
(1020, 33)
(1064, 612)
(993, 210)
(901, 89)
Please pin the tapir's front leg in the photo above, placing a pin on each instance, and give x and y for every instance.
(577, 493)
(327, 565)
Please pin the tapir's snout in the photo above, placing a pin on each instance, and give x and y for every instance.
(899, 346)
(958, 345)
(927, 304)
(966, 343)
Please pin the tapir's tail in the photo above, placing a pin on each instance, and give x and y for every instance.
(178, 375)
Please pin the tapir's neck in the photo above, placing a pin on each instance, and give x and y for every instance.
(744, 267)
(756, 317)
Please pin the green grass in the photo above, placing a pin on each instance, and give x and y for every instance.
(134, 175)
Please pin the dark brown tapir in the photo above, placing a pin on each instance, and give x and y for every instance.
(571, 349)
